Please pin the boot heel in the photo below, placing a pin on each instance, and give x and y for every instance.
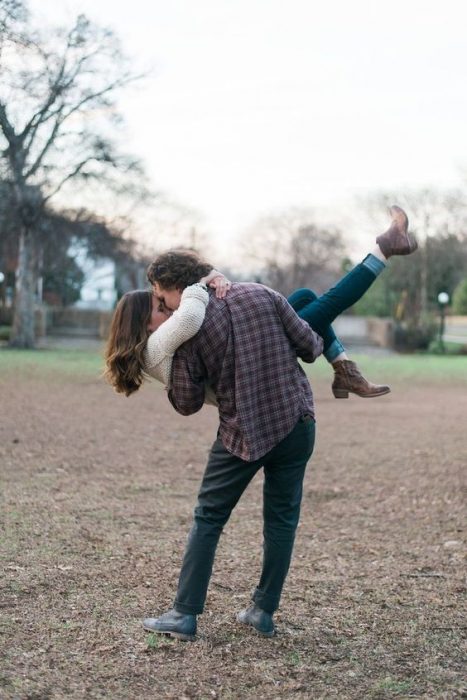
(413, 242)
(340, 393)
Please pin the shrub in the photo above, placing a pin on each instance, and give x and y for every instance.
(5, 332)
(408, 338)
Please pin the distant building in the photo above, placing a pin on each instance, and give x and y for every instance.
(99, 289)
(106, 280)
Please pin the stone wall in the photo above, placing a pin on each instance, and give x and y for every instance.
(365, 330)
(79, 322)
(93, 323)
(40, 319)
(104, 324)
(381, 331)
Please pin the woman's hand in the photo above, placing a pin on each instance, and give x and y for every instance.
(216, 280)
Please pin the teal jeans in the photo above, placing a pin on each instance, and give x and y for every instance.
(320, 312)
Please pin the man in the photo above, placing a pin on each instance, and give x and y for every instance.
(247, 352)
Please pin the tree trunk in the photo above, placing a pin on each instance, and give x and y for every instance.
(23, 332)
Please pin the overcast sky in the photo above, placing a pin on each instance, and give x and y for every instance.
(258, 104)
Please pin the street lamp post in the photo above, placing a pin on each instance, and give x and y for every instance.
(443, 300)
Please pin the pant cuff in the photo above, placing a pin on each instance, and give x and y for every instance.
(188, 609)
(266, 602)
(334, 350)
(374, 264)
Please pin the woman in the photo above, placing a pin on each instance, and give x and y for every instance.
(144, 335)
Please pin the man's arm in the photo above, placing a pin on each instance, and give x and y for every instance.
(307, 344)
(188, 382)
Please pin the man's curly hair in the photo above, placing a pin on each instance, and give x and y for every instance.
(177, 269)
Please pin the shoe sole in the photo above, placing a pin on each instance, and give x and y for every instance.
(344, 394)
(413, 242)
(173, 635)
(411, 239)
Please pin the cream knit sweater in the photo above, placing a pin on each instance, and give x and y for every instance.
(184, 323)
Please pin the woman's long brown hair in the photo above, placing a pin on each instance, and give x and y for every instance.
(127, 339)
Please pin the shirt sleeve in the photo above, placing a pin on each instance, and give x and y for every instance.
(188, 386)
(307, 344)
(184, 323)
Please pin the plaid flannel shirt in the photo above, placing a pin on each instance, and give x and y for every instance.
(247, 351)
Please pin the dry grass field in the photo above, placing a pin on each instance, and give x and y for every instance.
(97, 493)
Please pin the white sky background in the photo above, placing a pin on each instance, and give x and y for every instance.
(255, 105)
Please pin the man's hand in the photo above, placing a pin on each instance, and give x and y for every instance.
(216, 280)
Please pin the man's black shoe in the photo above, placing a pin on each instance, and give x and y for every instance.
(259, 619)
(173, 624)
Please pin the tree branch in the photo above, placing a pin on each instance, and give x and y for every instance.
(73, 173)
(5, 125)
(52, 136)
(63, 116)
(43, 114)
(59, 84)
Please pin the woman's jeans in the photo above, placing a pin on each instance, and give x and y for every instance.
(320, 312)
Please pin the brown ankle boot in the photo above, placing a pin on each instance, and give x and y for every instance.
(397, 240)
(347, 377)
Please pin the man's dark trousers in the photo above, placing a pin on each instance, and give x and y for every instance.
(225, 479)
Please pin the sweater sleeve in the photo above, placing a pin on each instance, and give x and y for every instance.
(184, 323)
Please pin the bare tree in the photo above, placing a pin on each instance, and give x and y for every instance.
(57, 108)
(439, 219)
(289, 250)
(11, 13)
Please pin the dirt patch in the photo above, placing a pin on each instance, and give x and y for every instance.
(97, 499)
